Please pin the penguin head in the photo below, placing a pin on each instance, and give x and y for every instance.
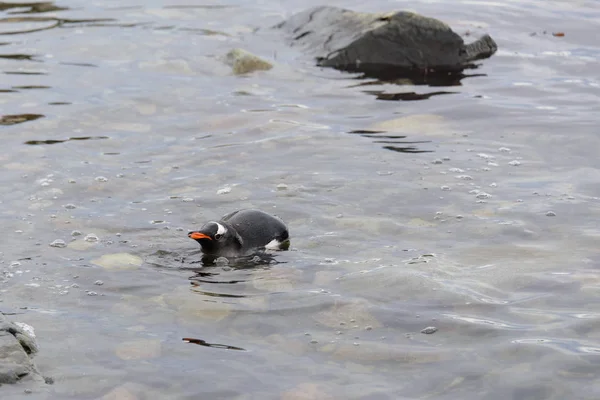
(216, 238)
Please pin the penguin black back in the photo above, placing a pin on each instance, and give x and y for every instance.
(242, 232)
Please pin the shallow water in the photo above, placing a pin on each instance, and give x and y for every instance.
(124, 124)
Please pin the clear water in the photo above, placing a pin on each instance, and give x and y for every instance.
(126, 130)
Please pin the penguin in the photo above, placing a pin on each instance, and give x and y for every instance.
(241, 233)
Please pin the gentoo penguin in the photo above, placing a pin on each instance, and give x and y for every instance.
(240, 233)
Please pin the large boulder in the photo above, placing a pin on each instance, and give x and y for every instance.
(387, 44)
(16, 349)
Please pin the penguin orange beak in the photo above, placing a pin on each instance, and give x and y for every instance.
(198, 236)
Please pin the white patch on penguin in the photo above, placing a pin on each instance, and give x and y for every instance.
(273, 245)
(220, 229)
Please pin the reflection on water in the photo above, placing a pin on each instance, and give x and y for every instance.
(31, 8)
(403, 76)
(392, 142)
(52, 23)
(213, 345)
(29, 57)
(55, 141)
(18, 118)
(145, 150)
(404, 96)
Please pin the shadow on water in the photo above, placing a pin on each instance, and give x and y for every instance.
(392, 142)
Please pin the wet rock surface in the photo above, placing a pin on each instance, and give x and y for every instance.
(17, 348)
(383, 44)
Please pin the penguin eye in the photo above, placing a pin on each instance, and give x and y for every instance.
(218, 236)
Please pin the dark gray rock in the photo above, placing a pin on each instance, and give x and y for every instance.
(17, 348)
(400, 43)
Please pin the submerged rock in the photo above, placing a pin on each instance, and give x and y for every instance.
(383, 44)
(243, 62)
(16, 349)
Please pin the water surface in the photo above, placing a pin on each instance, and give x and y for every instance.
(473, 210)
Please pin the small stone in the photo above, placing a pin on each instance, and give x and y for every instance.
(483, 195)
(368, 328)
(429, 330)
(493, 185)
(72, 181)
(504, 150)
(314, 341)
(187, 199)
(456, 170)
(101, 179)
(515, 163)
(91, 293)
(58, 243)
(243, 62)
(76, 233)
(91, 238)
(282, 186)
(70, 206)
(437, 161)
(464, 177)
(446, 188)
(225, 190)
(550, 214)
(99, 283)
